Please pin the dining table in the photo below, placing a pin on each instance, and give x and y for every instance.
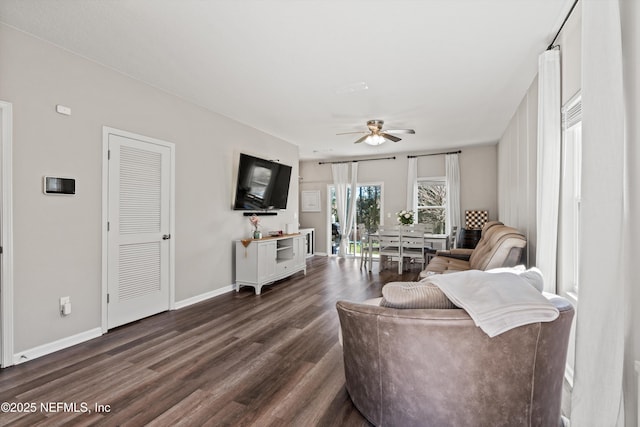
(431, 240)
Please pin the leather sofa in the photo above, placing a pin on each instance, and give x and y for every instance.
(499, 246)
(426, 367)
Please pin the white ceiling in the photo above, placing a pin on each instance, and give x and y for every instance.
(453, 70)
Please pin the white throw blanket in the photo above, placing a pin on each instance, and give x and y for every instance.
(497, 302)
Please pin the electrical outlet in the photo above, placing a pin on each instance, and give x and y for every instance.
(65, 306)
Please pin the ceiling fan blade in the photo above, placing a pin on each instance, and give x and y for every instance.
(390, 137)
(348, 133)
(362, 139)
(409, 131)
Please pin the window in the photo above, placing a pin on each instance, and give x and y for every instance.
(432, 201)
(569, 230)
(570, 198)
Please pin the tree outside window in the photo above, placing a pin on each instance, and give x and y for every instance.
(432, 201)
(368, 207)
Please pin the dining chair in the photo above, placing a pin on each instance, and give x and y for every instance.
(353, 242)
(430, 251)
(389, 238)
(366, 246)
(412, 244)
(452, 238)
(428, 248)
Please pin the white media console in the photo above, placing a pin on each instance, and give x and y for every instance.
(260, 262)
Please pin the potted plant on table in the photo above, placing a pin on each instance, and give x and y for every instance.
(405, 217)
(255, 221)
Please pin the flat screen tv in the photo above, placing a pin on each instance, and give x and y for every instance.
(262, 184)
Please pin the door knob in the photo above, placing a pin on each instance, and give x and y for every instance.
(166, 236)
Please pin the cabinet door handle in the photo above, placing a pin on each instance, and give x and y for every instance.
(166, 236)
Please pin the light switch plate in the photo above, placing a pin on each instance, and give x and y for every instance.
(63, 110)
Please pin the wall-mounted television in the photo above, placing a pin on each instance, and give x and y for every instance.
(262, 184)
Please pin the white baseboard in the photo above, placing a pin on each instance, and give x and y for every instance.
(44, 349)
(203, 297)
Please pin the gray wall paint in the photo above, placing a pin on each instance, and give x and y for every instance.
(58, 239)
(478, 178)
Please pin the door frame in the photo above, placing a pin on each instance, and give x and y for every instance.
(106, 131)
(6, 236)
(328, 216)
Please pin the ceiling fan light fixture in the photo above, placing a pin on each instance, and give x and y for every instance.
(374, 139)
(376, 135)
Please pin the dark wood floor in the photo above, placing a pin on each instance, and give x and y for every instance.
(237, 359)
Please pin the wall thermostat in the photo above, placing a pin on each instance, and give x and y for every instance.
(54, 185)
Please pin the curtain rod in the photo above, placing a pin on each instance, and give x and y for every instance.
(551, 46)
(356, 161)
(434, 154)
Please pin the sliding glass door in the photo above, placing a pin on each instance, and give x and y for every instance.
(368, 214)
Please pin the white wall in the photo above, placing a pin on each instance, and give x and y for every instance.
(58, 239)
(478, 178)
(570, 42)
(517, 171)
(630, 16)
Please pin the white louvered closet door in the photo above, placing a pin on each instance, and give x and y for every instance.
(139, 209)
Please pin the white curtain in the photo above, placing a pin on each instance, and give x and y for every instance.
(412, 186)
(452, 171)
(549, 161)
(351, 214)
(597, 398)
(345, 201)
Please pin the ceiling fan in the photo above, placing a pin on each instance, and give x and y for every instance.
(376, 136)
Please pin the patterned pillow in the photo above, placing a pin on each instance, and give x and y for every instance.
(414, 295)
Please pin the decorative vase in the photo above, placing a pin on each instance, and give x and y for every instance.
(257, 234)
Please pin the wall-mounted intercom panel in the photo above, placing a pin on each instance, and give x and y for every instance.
(55, 185)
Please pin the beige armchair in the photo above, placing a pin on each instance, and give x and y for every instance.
(499, 246)
(422, 367)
